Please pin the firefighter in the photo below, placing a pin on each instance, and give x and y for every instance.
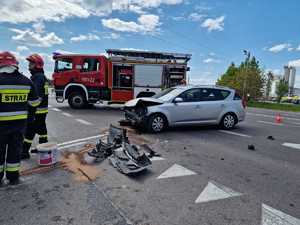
(17, 93)
(38, 126)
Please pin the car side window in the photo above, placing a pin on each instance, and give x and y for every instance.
(211, 94)
(192, 95)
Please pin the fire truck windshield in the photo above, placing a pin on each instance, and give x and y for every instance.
(63, 65)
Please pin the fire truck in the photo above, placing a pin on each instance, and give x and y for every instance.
(116, 77)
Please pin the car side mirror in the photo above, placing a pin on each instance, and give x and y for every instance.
(178, 100)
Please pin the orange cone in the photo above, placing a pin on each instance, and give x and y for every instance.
(278, 118)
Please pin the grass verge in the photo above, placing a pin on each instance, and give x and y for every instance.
(275, 106)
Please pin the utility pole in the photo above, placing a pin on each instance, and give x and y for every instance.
(247, 54)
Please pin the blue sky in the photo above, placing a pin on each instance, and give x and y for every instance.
(215, 32)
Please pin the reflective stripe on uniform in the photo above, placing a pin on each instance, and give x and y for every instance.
(43, 136)
(46, 87)
(41, 110)
(34, 103)
(12, 89)
(28, 141)
(8, 116)
(1, 168)
(12, 167)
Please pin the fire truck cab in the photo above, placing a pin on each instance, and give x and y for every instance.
(116, 78)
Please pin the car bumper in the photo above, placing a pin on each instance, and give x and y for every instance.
(135, 119)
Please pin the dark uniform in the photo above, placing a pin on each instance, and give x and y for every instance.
(38, 126)
(17, 94)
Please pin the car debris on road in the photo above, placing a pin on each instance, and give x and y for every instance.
(126, 157)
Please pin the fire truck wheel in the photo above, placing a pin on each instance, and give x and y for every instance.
(77, 100)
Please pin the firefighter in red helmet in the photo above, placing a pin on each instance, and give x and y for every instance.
(38, 125)
(17, 95)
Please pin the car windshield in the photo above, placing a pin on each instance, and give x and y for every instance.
(168, 94)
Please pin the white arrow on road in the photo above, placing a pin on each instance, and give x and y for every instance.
(271, 216)
(214, 191)
(176, 171)
(292, 145)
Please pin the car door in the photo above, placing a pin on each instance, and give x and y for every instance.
(211, 104)
(185, 112)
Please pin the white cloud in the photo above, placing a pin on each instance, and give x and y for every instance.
(139, 6)
(39, 27)
(211, 60)
(22, 48)
(295, 63)
(279, 47)
(112, 36)
(298, 49)
(31, 38)
(88, 37)
(290, 49)
(196, 17)
(26, 11)
(214, 24)
(145, 24)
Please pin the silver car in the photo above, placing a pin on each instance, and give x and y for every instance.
(187, 105)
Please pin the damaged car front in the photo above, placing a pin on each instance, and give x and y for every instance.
(148, 113)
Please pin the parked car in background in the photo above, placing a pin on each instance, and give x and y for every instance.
(187, 105)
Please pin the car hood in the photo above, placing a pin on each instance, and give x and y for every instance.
(145, 101)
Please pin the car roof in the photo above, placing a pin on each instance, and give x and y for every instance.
(186, 87)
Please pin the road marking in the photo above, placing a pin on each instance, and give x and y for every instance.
(156, 158)
(272, 116)
(176, 171)
(67, 114)
(292, 145)
(271, 216)
(83, 122)
(71, 145)
(270, 123)
(56, 109)
(50, 106)
(235, 133)
(82, 139)
(214, 191)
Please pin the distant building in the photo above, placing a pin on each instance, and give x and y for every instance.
(290, 76)
(274, 84)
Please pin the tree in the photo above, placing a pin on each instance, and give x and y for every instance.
(247, 79)
(281, 89)
(270, 78)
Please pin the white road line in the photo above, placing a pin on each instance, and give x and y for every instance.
(292, 145)
(214, 191)
(67, 114)
(83, 122)
(270, 123)
(82, 139)
(176, 171)
(71, 145)
(56, 109)
(235, 133)
(272, 216)
(273, 116)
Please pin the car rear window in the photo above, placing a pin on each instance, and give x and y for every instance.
(211, 94)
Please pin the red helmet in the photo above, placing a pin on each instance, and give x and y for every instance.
(8, 59)
(37, 60)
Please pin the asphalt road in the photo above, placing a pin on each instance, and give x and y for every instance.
(205, 176)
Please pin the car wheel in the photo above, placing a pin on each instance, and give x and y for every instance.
(156, 123)
(77, 100)
(228, 121)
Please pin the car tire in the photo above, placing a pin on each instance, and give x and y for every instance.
(156, 123)
(77, 100)
(228, 121)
